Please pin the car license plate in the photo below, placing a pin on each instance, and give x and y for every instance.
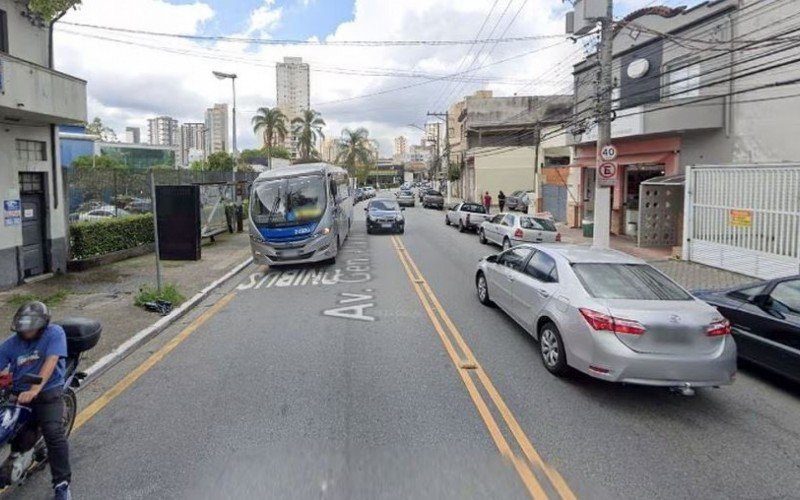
(386, 225)
(288, 253)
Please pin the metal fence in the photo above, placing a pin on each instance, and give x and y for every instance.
(744, 218)
(94, 194)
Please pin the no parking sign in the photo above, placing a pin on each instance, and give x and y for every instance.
(607, 174)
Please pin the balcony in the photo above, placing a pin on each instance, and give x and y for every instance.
(35, 95)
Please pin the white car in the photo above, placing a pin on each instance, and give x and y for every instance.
(104, 212)
(508, 230)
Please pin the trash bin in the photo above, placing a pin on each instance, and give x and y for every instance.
(588, 228)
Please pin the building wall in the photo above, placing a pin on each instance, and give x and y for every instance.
(24, 40)
(56, 227)
(217, 128)
(508, 171)
(293, 93)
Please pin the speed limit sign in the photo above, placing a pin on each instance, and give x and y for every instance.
(608, 153)
(607, 174)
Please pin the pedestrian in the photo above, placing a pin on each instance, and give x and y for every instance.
(39, 348)
(487, 201)
(501, 200)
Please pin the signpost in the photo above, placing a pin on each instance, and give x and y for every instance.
(607, 174)
(608, 153)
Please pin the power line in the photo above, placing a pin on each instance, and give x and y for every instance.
(287, 41)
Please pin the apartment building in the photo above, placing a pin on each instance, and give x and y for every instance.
(216, 129)
(163, 131)
(293, 93)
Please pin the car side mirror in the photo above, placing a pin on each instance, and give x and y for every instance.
(365, 209)
(402, 209)
(492, 259)
(761, 300)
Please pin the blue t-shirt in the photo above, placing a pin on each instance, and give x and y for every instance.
(22, 357)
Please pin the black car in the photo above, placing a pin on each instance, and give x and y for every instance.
(765, 321)
(385, 215)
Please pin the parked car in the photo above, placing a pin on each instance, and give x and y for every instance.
(513, 200)
(406, 198)
(609, 315)
(421, 192)
(466, 216)
(369, 191)
(509, 230)
(359, 195)
(139, 206)
(765, 321)
(385, 215)
(433, 199)
(104, 212)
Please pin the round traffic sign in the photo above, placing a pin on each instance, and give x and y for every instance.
(607, 170)
(608, 152)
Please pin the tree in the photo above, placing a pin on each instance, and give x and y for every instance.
(51, 9)
(272, 123)
(197, 166)
(308, 128)
(220, 162)
(87, 162)
(97, 128)
(355, 149)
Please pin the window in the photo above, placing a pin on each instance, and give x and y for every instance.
(31, 150)
(508, 220)
(514, 258)
(497, 219)
(786, 296)
(3, 31)
(627, 281)
(682, 79)
(542, 267)
(748, 293)
(473, 208)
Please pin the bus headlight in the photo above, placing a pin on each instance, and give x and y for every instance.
(326, 231)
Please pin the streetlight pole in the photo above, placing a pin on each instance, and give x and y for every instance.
(234, 153)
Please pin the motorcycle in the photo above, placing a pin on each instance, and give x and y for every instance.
(16, 466)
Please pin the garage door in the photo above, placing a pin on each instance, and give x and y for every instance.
(554, 200)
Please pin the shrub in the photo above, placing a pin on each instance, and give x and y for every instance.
(150, 294)
(91, 238)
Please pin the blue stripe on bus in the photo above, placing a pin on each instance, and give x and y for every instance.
(287, 233)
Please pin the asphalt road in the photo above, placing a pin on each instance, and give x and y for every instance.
(382, 377)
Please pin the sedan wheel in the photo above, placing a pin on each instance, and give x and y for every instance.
(461, 226)
(481, 237)
(483, 290)
(506, 244)
(446, 220)
(551, 347)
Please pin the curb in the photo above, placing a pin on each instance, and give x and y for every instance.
(122, 351)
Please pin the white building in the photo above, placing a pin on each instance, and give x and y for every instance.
(133, 135)
(294, 93)
(216, 139)
(34, 99)
(163, 131)
(400, 148)
(191, 140)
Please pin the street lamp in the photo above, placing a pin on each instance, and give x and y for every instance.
(222, 76)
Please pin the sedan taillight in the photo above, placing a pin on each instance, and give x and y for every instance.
(518, 234)
(719, 328)
(606, 323)
(558, 236)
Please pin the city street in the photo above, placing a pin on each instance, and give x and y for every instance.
(383, 377)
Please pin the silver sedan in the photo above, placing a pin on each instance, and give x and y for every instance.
(609, 315)
(508, 230)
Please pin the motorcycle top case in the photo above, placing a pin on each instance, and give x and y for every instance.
(82, 334)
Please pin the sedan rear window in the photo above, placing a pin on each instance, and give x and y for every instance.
(627, 281)
(537, 223)
(473, 208)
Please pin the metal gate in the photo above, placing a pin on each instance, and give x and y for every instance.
(554, 200)
(34, 213)
(744, 218)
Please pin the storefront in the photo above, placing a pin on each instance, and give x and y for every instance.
(638, 160)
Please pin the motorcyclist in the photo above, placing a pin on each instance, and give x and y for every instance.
(40, 348)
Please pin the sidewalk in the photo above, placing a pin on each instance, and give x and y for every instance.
(688, 274)
(107, 293)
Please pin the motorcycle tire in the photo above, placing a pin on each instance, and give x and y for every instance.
(70, 410)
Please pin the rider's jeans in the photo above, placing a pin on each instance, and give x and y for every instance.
(48, 414)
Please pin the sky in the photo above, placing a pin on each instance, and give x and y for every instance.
(133, 77)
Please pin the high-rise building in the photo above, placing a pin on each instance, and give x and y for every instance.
(294, 92)
(192, 140)
(216, 139)
(163, 131)
(133, 135)
(329, 150)
(400, 146)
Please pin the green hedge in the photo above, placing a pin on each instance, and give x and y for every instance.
(91, 238)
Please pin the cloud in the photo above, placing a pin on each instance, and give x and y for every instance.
(130, 82)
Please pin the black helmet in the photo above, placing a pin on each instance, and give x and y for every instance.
(31, 316)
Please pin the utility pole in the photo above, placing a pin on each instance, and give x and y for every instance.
(602, 194)
(444, 172)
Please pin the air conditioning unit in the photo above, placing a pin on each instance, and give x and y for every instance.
(584, 18)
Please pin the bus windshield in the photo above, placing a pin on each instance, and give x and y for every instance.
(289, 202)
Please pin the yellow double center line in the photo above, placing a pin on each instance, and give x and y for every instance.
(466, 365)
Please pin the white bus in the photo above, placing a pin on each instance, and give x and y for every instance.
(300, 214)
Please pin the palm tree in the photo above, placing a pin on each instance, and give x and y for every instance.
(272, 123)
(355, 149)
(308, 129)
